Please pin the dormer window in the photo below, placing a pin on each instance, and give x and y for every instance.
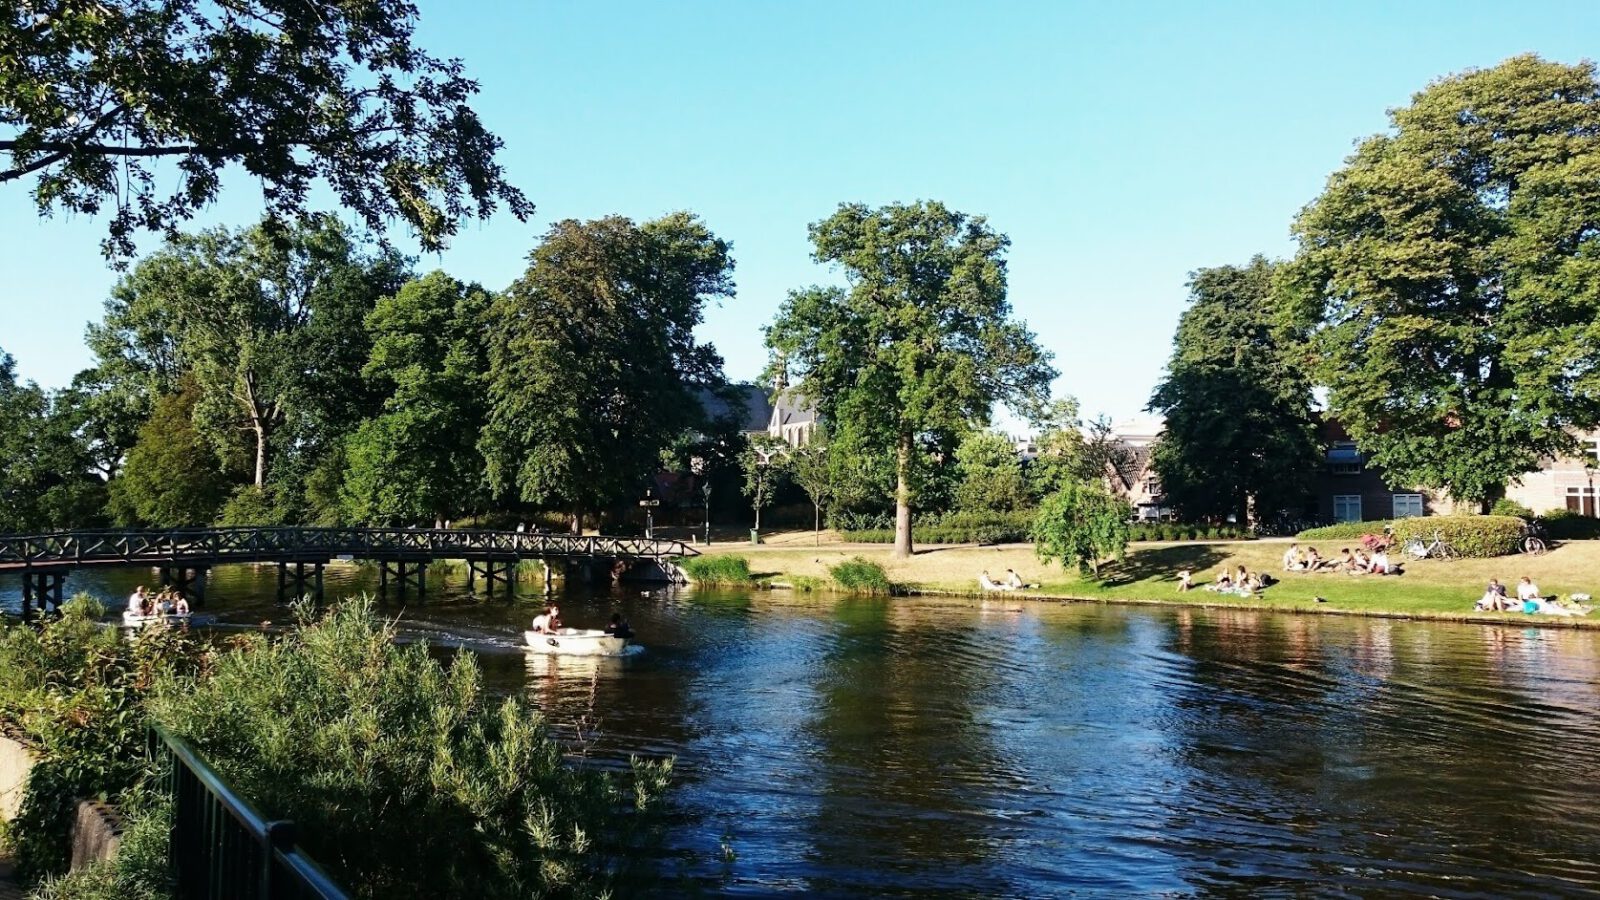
(1345, 459)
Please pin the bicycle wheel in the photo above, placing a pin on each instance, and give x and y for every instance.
(1416, 549)
(1533, 546)
(1445, 551)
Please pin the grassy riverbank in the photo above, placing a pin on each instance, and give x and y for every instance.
(1429, 588)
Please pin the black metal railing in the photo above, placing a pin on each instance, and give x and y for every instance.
(216, 546)
(223, 848)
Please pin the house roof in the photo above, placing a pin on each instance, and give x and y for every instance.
(1132, 462)
(751, 408)
(793, 408)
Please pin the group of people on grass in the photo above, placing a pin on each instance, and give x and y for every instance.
(1012, 582)
(1241, 581)
(166, 603)
(1530, 600)
(1349, 562)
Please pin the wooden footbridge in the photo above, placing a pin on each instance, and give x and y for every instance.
(186, 556)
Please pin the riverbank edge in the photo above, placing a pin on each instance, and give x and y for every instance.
(1512, 619)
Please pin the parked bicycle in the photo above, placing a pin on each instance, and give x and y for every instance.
(1438, 548)
(1533, 540)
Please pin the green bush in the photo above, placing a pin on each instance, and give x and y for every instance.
(363, 742)
(719, 568)
(1508, 507)
(1566, 525)
(807, 583)
(138, 871)
(861, 576)
(953, 528)
(1474, 536)
(1342, 531)
(75, 689)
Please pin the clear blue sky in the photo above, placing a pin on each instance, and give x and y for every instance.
(1119, 147)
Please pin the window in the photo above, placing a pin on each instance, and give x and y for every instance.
(1591, 449)
(1347, 508)
(1407, 505)
(1152, 487)
(1581, 500)
(1344, 458)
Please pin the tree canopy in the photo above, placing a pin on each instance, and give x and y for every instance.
(594, 368)
(418, 460)
(921, 345)
(1452, 270)
(1240, 438)
(94, 96)
(172, 477)
(47, 477)
(1082, 525)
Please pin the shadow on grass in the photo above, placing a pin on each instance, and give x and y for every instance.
(1163, 562)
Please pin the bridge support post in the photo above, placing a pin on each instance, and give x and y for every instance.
(43, 589)
(300, 578)
(408, 575)
(494, 571)
(190, 581)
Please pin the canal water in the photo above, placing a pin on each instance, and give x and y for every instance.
(907, 747)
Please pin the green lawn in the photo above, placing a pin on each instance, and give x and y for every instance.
(1429, 587)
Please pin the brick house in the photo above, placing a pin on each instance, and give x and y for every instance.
(1349, 489)
(1568, 482)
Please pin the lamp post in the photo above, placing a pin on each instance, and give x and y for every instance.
(649, 503)
(705, 490)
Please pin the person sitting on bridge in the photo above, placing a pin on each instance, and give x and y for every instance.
(618, 627)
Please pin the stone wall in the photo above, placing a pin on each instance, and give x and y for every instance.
(96, 834)
(16, 761)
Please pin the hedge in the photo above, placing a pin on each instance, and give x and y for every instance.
(1566, 525)
(1343, 531)
(1480, 537)
(955, 528)
(1179, 531)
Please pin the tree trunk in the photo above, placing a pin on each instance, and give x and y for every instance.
(902, 499)
(758, 515)
(816, 524)
(260, 428)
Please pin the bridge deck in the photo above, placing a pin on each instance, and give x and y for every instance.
(220, 546)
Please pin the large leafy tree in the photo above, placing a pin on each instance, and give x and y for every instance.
(921, 345)
(1240, 437)
(47, 478)
(93, 96)
(172, 477)
(1082, 524)
(419, 460)
(268, 323)
(594, 365)
(1453, 270)
(990, 474)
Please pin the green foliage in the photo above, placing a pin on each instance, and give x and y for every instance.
(1480, 537)
(1343, 530)
(1069, 452)
(1082, 524)
(717, 569)
(294, 95)
(861, 576)
(418, 461)
(990, 474)
(172, 477)
(45, 465)
(807, 584)
(1449, 270)
(593, 362)
(1566, 525)
(362, 742)
(958, 527)
(268, 324)
(75, 689)
(1508, 507)
(251, 505)
(1239, 433)
(139, 871)
(1170, 531)
(921, 347)
(765, 464)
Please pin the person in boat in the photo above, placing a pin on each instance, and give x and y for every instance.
(136, 601)
(541, 622)
(618, 627)
(181, 606)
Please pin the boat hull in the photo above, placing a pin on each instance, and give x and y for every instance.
(575, 642)
(131, 620)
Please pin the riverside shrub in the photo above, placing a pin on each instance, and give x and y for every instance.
(861, 576)
(1340, 531)
(404, 778)
(963, 527)
(1473, 536)
(720, 568)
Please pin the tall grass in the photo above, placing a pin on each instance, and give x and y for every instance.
(861, 576)
(718, 569)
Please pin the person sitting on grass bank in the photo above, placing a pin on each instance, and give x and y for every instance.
(1314, 560)
(989, 584)
(1185, 580)
(1494, 597)
(1015, 582)
(1380, 563)
(1292, 560)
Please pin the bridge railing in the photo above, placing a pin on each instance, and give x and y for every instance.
(222, 846)
(248, 544)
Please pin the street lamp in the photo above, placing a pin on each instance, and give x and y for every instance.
(649, 503)
(705, 489)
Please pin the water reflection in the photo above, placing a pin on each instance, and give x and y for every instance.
(866, 747)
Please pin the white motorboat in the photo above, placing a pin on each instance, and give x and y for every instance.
(131, 619)
(576, 642)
